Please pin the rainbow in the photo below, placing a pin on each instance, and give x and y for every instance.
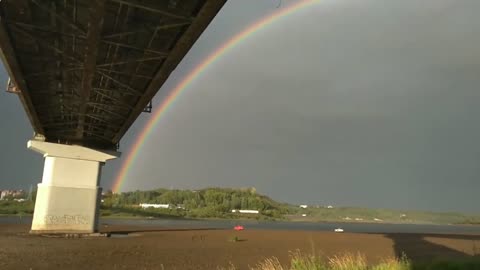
(187, 81)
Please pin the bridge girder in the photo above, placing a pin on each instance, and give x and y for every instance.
(95, 63)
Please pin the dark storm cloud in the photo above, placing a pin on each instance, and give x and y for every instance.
(370, 103)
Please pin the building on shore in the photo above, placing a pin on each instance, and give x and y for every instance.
(5, 194)
(246, 211)
(154, 205)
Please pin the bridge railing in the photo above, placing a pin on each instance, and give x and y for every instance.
(11, 87)
(148, 108)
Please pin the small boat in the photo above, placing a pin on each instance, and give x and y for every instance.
(238, 228)
(338, 230)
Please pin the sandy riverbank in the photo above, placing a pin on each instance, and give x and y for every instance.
(208, 249)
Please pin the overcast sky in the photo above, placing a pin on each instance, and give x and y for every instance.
(364, 103)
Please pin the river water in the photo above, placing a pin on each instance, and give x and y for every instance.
(305, 226)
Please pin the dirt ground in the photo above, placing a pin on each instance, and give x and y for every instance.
(164, 248)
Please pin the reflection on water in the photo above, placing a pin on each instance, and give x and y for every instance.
(251, 224)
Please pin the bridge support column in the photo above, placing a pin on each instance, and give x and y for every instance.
(68, 199)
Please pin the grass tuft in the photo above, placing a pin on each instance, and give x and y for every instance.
(393, 264)
(348, 262)
(306, 262)
(270, 264)
(357, 261)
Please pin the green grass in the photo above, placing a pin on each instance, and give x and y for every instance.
(382, 215)
(358, 262)
(13, 208)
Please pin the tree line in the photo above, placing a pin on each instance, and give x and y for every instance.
(210, 202)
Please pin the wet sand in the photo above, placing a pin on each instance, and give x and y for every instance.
(168, 248)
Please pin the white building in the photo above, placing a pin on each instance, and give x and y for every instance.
(303, 206)
(153, 205)
(14, 193)
(246, 211)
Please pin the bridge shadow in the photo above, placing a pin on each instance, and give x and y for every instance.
(420, 251)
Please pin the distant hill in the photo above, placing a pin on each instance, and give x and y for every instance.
(219, 203)
(352, 214)
(204, 203)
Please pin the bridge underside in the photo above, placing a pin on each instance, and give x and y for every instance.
(85, 69)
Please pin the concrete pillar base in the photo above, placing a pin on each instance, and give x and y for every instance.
(66, 209)
(68, 199)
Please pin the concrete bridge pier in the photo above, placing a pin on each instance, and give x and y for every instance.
(68, 199)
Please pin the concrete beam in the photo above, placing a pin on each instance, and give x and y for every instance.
(48, 149)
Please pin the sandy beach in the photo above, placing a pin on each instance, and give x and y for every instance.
(168, 248)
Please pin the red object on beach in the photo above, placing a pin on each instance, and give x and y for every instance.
(238, 228)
